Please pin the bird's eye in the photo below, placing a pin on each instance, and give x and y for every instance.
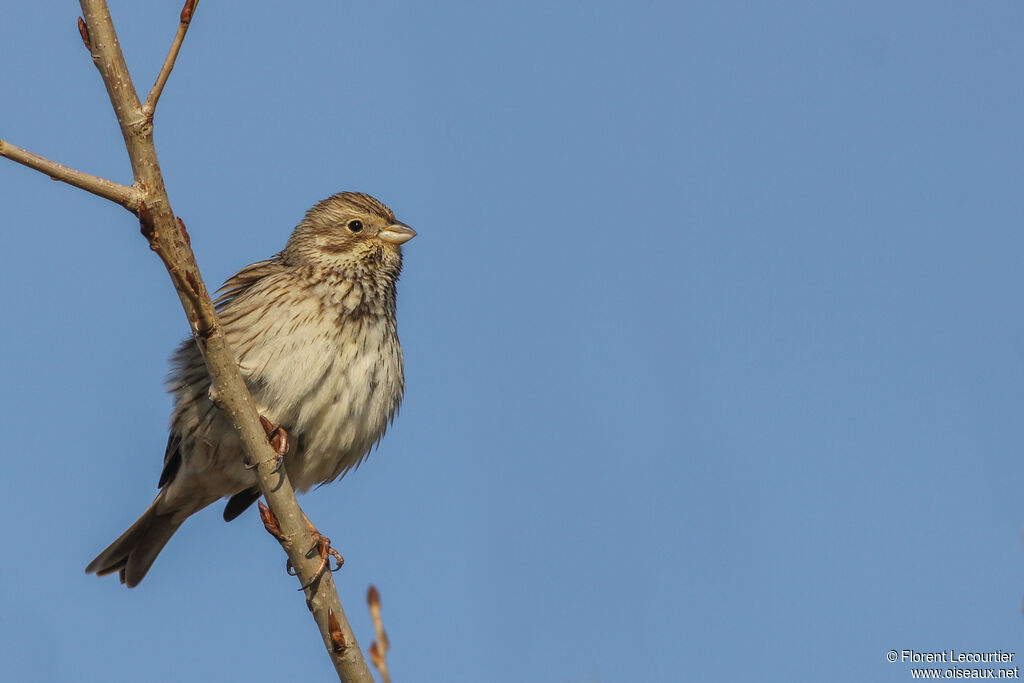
(355, 226)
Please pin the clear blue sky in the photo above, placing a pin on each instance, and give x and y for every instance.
(713, 333)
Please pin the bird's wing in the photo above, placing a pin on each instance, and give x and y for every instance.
(244, 279)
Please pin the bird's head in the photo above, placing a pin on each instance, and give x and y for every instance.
(349, 231)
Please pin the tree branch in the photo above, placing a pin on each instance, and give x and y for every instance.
(378, 648)
(128, 197)
(167, 236)
(165, 71)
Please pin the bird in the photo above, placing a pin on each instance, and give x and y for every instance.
(314, 332)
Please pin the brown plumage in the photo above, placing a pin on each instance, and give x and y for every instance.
(314, 333)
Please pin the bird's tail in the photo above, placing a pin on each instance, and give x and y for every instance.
(134, 552)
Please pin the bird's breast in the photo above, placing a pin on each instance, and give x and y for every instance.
(335, 387)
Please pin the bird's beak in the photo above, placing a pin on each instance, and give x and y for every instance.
(396, 233)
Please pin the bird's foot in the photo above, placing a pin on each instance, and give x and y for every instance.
(278, 438)
(321, 547)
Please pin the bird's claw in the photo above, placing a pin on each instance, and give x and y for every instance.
(321, 547)
(278, 438)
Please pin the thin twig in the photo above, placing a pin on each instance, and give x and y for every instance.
(378, 648)
(165, 71)
(128, 197)
(168, 238)
(147, 197)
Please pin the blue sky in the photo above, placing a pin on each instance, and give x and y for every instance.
(713, 336)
